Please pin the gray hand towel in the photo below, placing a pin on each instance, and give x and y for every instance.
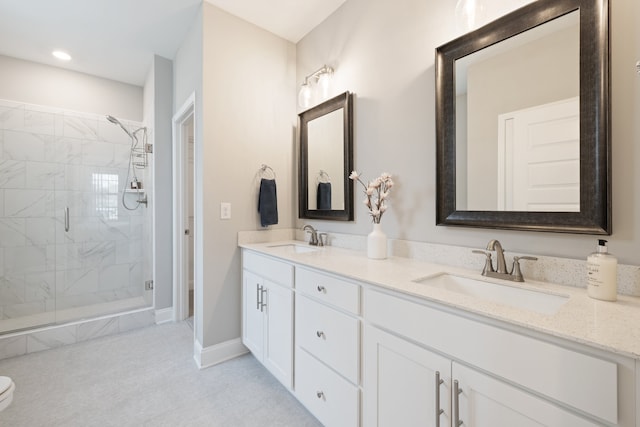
(324, 196)
(268, 202)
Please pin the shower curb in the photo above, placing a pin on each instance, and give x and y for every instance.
(50, 337)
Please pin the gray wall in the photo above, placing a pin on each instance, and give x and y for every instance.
(34, 83)
(162, 70)
(188, 79)
(188, 65)
(249, 100)
(384, 52)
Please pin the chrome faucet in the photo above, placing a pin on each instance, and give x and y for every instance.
(313, 241)
(494, 245)
(501, 271)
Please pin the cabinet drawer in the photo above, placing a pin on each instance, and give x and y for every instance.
(580, 380)
(330, 335)
(269, 268)
(329, 289)
(329, 397)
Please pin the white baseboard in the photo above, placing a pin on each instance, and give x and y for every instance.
(218, 353)
(164, 315)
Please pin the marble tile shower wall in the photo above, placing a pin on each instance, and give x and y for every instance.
(51, 159)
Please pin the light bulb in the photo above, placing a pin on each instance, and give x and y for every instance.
(470, 14)
(304, 96)
(324, 82)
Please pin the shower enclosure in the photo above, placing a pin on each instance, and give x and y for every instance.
(69, 249)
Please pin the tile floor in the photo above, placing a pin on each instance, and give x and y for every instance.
(145, 377)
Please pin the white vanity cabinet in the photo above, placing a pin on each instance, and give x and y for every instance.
(267, 313)
(366, 355)
(327, 347)
(485, 401)
(404, 384)
(490, 376)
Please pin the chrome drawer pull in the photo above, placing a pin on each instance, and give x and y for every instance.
(439, 411)
(258, 296)
(322, 289)
(320, 334)
(263, 304)
(456, 400)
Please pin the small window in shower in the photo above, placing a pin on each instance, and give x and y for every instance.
(105, 188)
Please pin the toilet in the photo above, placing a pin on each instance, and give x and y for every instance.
(7, 387)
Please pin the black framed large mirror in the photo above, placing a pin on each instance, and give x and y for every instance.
(523, 121)
(326, 160)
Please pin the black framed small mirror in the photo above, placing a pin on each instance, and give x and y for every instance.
(326, 160)
(499, 164)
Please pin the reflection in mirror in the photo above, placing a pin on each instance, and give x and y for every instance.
(522, 121)
(518, 122)
(326, 159)
(325, 146)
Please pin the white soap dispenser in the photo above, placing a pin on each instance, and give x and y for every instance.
(602, 274)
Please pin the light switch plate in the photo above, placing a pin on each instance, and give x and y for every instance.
(225, 210)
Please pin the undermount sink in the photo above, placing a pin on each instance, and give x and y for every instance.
(298, 249)
(527, 299)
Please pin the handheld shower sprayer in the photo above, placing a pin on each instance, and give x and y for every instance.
(117, 122)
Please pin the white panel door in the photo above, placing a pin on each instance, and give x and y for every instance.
(539, 158)
(252, 314)
(278, 345)
(487, 402)
(399, 383)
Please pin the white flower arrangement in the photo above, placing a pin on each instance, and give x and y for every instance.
(377, 192)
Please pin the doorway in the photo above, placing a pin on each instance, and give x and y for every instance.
(190, 214)
(184, 222)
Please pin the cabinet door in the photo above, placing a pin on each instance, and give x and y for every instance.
(278, 345)
(399, 383)
(252, 314)
(485, 401)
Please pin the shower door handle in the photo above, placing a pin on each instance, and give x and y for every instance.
(66, 218)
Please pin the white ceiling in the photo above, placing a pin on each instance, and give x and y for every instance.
(290, 19)
(117, 39)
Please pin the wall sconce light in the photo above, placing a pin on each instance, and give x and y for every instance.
(322, 82)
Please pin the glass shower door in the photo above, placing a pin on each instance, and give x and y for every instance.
(28, 181)
(99, 249)
(69, 248)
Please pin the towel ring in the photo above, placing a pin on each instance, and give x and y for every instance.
(323, 177)
(267, 172)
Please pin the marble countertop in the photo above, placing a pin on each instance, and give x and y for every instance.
(611, 326)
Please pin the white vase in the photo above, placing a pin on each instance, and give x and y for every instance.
(377, 243)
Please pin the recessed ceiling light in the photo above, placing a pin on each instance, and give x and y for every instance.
(61, 55)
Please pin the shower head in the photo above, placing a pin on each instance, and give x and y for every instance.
(117, 122)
